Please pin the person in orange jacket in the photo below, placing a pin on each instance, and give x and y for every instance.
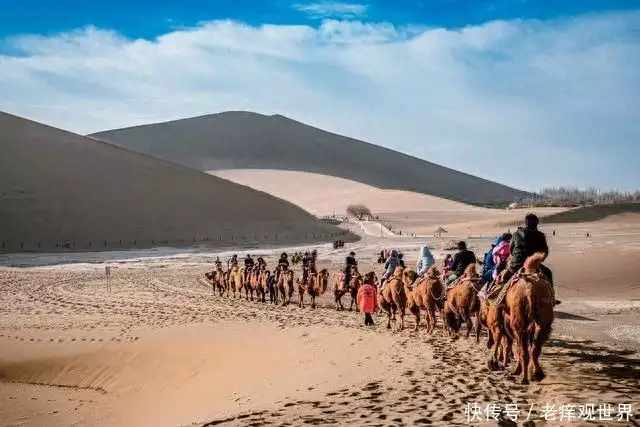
(368, 301)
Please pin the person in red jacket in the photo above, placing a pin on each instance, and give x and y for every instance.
(367, 301)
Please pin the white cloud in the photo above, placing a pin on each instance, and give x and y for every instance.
(528, 103)
(332, 9)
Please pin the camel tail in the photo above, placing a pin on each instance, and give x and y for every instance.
(533, 262)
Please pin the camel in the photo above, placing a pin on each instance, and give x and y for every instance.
(354, 285)
(218, 280)
(428, 295)
(262, 286)
(316, 286)
(408, 277)
(285, 286)
(251, 282)
(528, 316)
(340, 288)
(462, 301)
(490, 316)
(236, 281)
(393, 298)
(212, 278)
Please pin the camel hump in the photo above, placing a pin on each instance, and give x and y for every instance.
(533, 262)
(433, 271)
(470, 270)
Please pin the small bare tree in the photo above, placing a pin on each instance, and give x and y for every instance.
(359, 211)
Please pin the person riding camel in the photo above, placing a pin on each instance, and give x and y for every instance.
(501, 254)
(447, 265)
(248, 266)
(218, 263)
(401, 260)
(283, 264)
(306, 259)
(262, 265)
(488, 266)
(461, 261)
(390, 266)
(349, 262)
(526, 241)
(233, 262)
(425, 261)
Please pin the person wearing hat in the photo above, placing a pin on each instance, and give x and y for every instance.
(527, 241)
(461, 261)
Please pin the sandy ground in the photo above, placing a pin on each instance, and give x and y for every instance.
(161, 349)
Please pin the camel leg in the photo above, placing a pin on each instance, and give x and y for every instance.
(523, 355)
(467, 319)
(540, 337)
(313, 302)
(301, 302)
(416, 313)
(402, 314)
(431, 320)
(493, 362)
(478, 328)
(388, 310)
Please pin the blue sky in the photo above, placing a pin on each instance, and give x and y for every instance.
(142, 18)
(494, 88)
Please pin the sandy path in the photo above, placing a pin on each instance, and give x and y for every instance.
(160, 349)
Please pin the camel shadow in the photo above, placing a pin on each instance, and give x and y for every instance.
(568, 316)
(615, 364)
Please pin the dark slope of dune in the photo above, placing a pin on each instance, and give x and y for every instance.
(591, 213)
(57, 187)
(244, 140)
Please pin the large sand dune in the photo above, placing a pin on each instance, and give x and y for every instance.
(327, 195)
(243, 140)
(58, 187)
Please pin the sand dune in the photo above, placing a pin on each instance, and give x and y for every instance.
(58, 187)
(326, 195)
(244, 140)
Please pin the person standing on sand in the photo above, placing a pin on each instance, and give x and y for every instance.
(367, 301)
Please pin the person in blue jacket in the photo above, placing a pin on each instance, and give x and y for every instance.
(488, 265)
(425, 261)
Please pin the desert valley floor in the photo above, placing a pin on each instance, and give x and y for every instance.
(161, 349)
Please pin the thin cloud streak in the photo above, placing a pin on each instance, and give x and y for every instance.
(332, 10)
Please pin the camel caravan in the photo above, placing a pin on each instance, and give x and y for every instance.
(514, 303)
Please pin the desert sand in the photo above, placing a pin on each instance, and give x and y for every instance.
(161, 349)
